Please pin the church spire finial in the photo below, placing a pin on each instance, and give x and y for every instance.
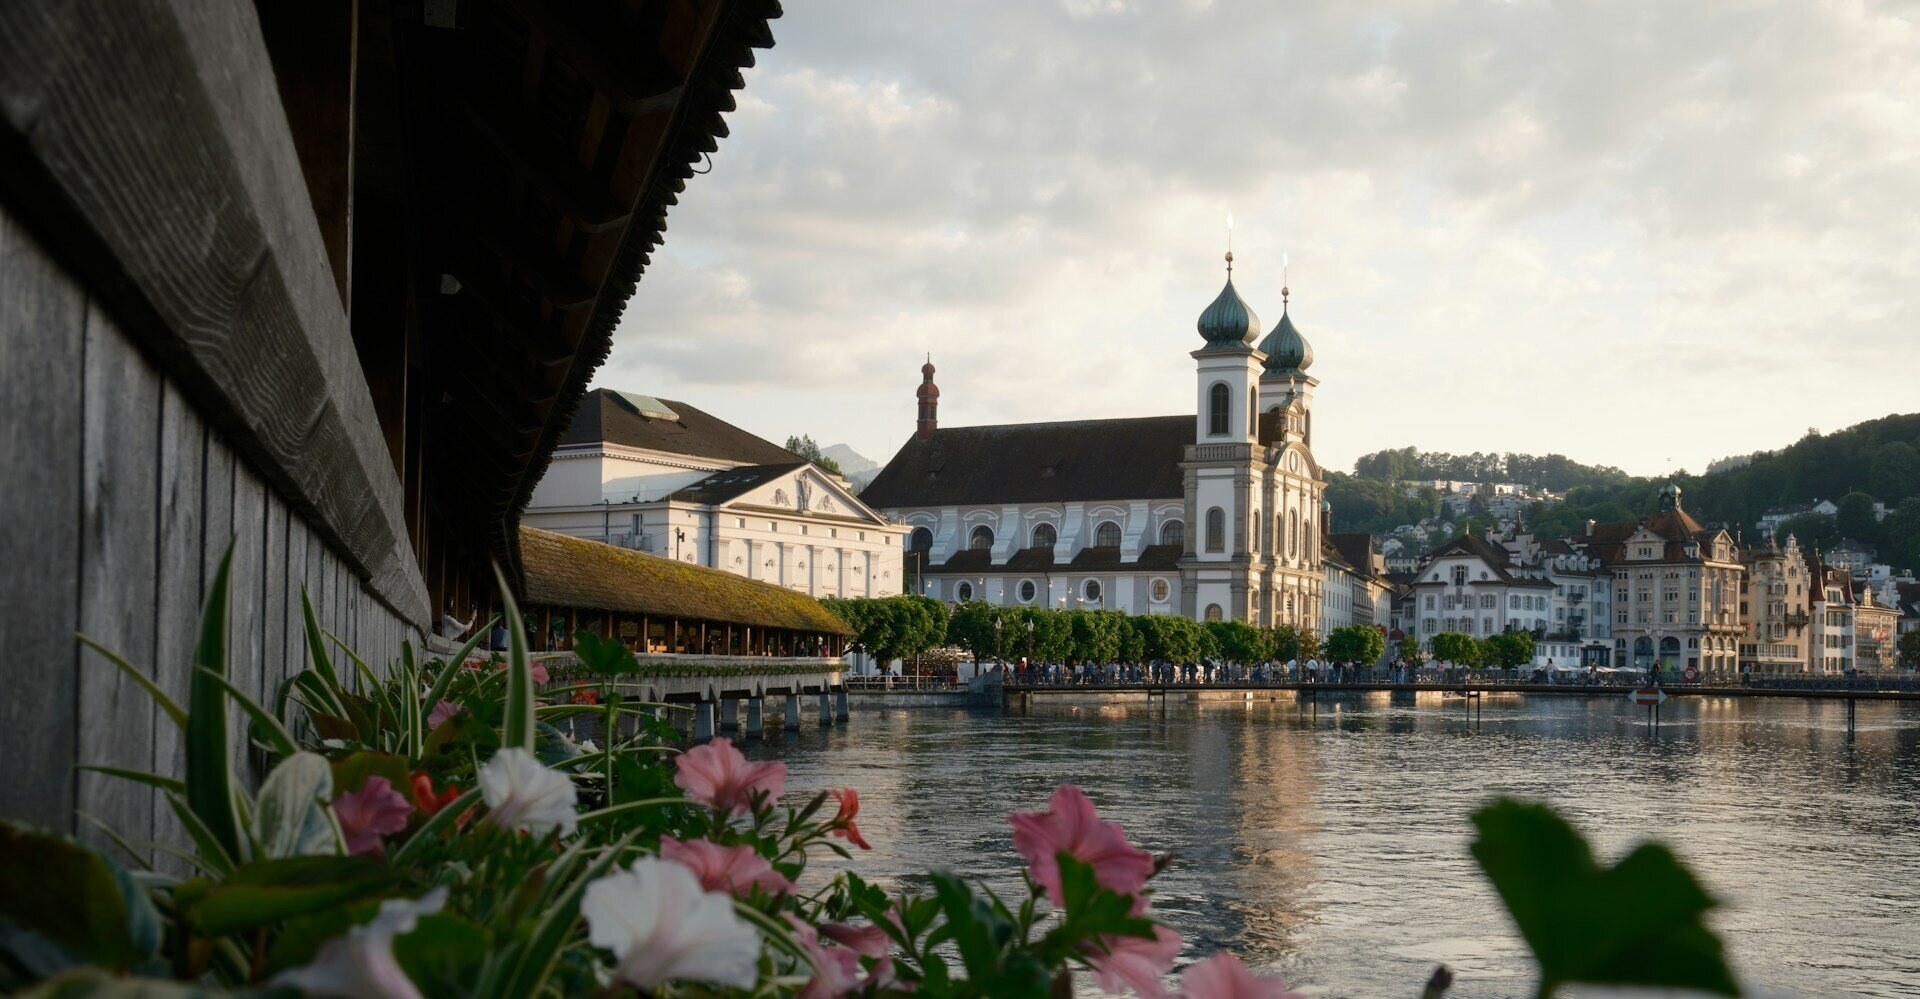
(1284, 292)
(1229, 246)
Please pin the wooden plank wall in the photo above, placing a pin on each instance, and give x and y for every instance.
(123, 502)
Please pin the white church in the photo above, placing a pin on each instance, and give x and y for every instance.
(1217, 514)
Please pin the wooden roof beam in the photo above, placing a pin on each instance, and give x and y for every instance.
(610, 74)
(578, 194)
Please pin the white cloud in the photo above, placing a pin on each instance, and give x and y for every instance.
(1625, 231)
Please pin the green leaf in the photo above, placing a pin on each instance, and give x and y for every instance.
(350, 773)
(1636, 923)
(68, 894)
(92, 983)
(447, 815)
(317, 649)
(442, 948)
(167, 704)
(138, 777)
(270, 891)
(602, 656)
(271, 731)
(517, 728)
(291, 817)
(210, 783)
(982, 936)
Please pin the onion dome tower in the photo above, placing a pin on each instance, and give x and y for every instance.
(1288, 353)
(928, 398)
(1229, 321)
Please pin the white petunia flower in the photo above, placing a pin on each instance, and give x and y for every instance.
(662, 926)
(360, 963)
(522, 794)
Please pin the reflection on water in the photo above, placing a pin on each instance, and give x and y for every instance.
(1327, 841)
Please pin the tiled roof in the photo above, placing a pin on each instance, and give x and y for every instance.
(616, 418)
(723, 486)
(1079, 461)
(1355, 550)
(565, 571)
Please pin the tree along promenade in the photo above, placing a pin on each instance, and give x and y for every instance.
(1860, 686)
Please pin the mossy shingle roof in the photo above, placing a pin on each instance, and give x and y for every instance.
(564, 571)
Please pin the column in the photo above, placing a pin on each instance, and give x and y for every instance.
(754, 722)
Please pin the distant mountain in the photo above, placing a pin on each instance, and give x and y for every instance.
(858, 468)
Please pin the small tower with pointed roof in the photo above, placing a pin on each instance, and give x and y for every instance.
(1283, 377)
(927, 397)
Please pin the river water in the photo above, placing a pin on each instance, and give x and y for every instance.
(1327, 842)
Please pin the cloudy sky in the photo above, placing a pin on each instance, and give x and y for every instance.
(1644, 234)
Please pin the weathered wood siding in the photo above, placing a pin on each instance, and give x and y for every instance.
(121, 503)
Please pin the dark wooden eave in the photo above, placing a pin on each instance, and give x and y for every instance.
(553, 138)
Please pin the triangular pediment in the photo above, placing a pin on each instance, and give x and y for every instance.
(805, 491)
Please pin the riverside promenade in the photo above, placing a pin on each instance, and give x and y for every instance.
(1902, 688)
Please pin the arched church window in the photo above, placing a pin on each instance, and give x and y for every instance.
(922, 540)
(1216, 530)
(1293, 534)
(1044, 536)
(1173, 532)
(1107, 535)
(981, 539)
(1213, 612)
(1217, 410)
(1253, 412)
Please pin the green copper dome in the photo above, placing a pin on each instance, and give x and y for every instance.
(1229, 321)
(1288, 353)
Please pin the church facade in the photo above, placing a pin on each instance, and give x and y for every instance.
(1218, 514)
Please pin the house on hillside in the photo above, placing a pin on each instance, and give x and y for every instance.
(1676, 589)
(317, 284)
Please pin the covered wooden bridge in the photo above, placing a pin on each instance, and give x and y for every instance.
(666, 610)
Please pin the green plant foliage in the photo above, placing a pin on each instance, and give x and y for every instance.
(291, 818)
(1635, 923)
(1458, 649)
(76, 899)
(1356, 643)
(1508, 650)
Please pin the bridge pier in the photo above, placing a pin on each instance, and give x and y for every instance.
(703, 721)
(793, 711)
(729, 714)
(841, 710)
(755, 706)
(826, 709)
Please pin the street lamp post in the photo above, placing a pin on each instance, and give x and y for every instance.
(678, 536)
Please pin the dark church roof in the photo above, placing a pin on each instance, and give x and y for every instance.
(667, 425)
(1078, 461)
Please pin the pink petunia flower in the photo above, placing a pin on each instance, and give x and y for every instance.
(843, 824)
(732, 869)
(1135, 963)
(717, 774)
(1222, 976)
(540, 674)
(836, 970)
(1071, 825)
(374, 811)
(443, 712)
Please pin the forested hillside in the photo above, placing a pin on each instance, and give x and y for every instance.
(1878, 460)
(1556, 472)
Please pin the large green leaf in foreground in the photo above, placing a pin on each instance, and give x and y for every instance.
(1635, 923)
